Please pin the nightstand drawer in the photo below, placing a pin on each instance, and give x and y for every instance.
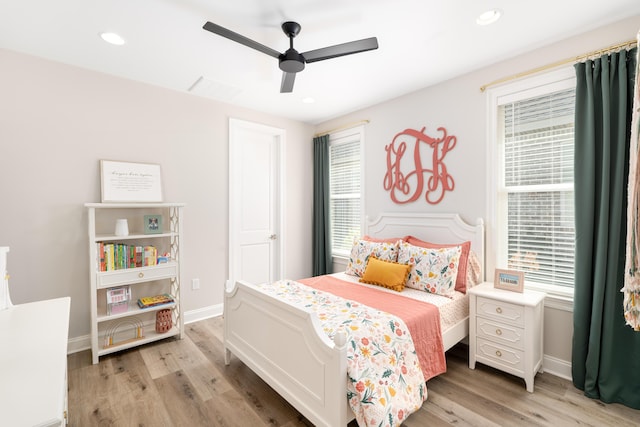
(505, 356)
(500, 333)
(499, 310)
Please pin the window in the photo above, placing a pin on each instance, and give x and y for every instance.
(533, 181)
(345, 182)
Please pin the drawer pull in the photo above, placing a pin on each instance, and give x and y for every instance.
(498, 353)
(499, 310)
(498, 331)
(141, 275)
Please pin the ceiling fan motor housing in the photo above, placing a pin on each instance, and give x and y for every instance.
(291, 61)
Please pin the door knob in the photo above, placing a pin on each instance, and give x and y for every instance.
(272, 237)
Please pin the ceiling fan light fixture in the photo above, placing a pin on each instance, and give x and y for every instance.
(112, 38)
(488, 17)
(291, 61)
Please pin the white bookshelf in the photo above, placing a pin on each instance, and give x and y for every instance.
(144, 281)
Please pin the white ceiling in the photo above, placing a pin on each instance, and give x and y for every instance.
(422, 42)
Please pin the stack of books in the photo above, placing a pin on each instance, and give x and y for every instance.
(118, 256)
(146, 302)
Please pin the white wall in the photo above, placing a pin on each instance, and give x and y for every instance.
(460, 107)
(58, 121)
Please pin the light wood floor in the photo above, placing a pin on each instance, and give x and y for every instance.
(185, 383)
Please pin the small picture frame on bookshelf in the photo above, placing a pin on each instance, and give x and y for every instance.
(152, 224)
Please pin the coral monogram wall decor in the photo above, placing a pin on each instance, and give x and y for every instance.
(407, 178)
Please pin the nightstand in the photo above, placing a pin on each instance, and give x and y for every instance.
(505, 330)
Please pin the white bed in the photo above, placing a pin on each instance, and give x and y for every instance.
(286, 346)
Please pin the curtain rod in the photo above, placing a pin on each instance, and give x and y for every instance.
(347, 126)
(562, 62)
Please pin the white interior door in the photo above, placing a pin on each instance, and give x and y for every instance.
(255, 200)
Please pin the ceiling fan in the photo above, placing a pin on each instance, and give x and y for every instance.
(292, 62)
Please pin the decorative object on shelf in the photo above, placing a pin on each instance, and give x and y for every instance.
(118, 299)
(135, 326)
(509, 280)
(406, 185)
(152, 224)
(130, 182)
(5, 299)
(122, 227)
(164, 258)
(163, 320)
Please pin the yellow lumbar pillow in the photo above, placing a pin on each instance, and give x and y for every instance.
(386, 273)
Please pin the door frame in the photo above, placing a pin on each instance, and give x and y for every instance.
(279, 136)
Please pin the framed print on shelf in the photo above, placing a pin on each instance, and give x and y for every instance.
(130, 182)
(509, 280)
(152, 224)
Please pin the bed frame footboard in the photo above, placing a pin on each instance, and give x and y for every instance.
(287, 348)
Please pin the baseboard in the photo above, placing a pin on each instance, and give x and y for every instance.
(203, 313)
(77, 344)
(558, 367)
(82, 343)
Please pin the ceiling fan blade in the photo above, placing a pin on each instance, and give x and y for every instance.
(341, 50)
(287, 82)
(221, 31)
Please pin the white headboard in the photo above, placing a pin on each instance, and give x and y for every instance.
(443, 228)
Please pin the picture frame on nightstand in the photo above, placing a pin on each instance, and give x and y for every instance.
(509, 280)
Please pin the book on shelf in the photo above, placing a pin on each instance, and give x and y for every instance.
(146, 302)
(150, 256)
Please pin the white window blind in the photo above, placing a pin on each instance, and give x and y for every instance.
(537, 186)
(346, 190)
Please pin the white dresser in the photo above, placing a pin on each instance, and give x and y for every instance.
(505, 330)
(33, 363)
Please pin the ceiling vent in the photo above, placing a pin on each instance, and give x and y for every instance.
(212, 89)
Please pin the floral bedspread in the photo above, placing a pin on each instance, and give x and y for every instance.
(385, 383)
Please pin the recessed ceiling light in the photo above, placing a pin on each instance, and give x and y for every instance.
(308, 100)
(488, 17)
(112, 38)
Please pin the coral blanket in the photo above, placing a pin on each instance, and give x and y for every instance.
(422, 319)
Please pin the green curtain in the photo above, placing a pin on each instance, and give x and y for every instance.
(606, 353)
(321, 213)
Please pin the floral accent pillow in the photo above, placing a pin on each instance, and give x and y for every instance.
(363, 249)
(463, 265)
(432, 269)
